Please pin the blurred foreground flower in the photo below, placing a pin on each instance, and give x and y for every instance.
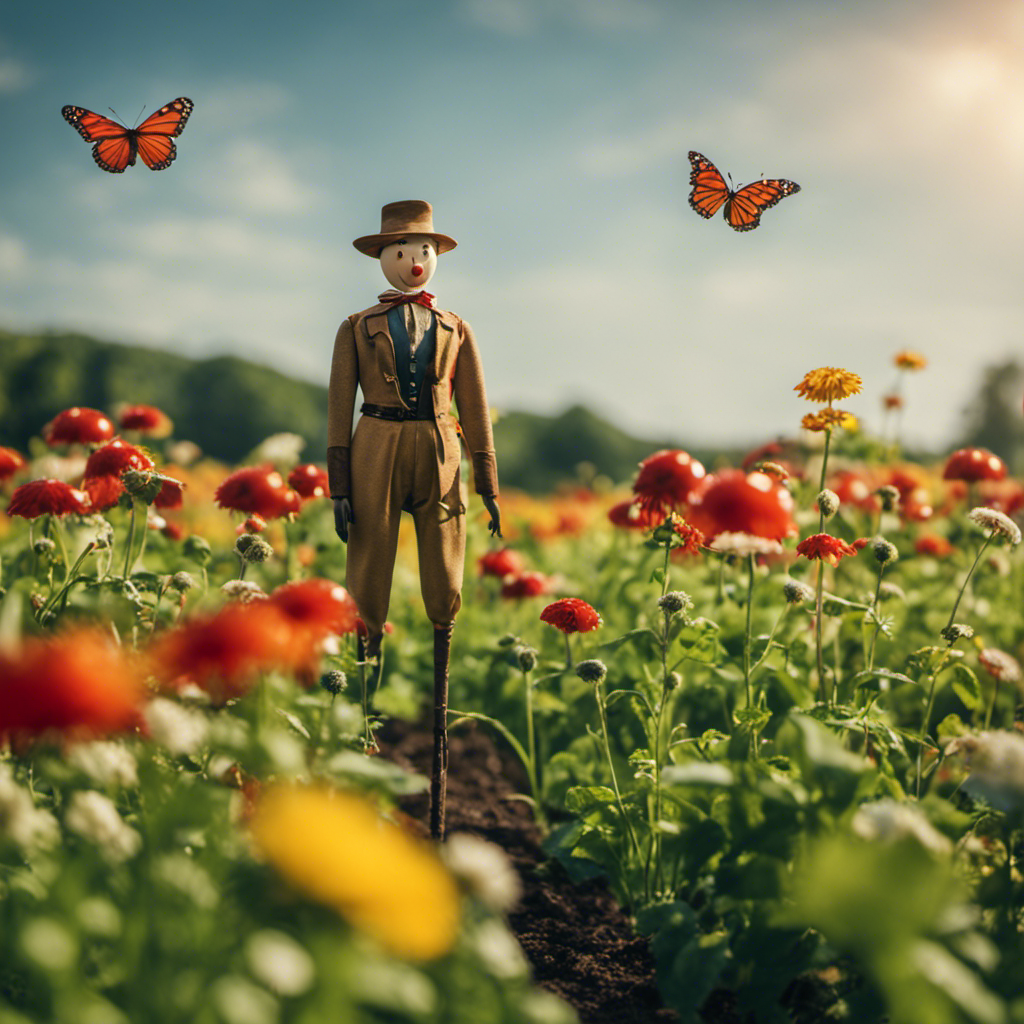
(10, 462)
(78, 682)
(337, 849)
(259, 489)
(736, 502)
(889, 820)
(973, 464)
(485, 870)
(145, 419)
(319, 606)
(47, 497)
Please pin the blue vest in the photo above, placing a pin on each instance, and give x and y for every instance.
(412, 369)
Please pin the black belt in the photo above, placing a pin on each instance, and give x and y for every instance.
(392, 412)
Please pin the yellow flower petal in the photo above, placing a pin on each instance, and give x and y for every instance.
(829, 384)
(336, 848)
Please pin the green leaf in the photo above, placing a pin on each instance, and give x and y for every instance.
(753, 719)
(583, 799)
(967, 687)
(633, 634)
(697, 773)
(658, 576)
(294, 722)
(951, 726)
(872, 679)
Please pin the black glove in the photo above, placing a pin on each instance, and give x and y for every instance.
(495, 513)
(342, 517)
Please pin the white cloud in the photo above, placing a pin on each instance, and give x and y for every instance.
(256, 178)
(238, 105)
(524, 17)
(14, 259)
(15, 75)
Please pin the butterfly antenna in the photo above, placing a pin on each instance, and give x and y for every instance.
(140, 113)
(115, 113)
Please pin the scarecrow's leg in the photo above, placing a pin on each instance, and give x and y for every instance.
(439, 770)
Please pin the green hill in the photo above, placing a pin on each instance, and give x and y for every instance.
(228, 405)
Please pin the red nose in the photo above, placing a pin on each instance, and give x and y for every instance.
(416, 270)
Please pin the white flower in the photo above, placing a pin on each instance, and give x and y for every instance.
(996, 760)
(999, 523)
(888, 820)
(279, 448)
(21, 822)
(181, 730)
(181, 872)
(279, 962)
(105, 761)
(499, 950)
(94, 817)
(744, 544)
(183, 453)
(485, 869)
(1001, 666)
(245, 591)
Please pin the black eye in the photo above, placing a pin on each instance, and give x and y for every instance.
(426, 250)
(398, 255)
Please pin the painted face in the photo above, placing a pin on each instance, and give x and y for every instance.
(409, 263)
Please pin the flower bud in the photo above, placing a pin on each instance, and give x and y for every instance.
(508, 640)
(796, 591)
(142, 485)
(525, 656)
(44, 547)
(885, 551)
(197, 549)
(889, 496)
(674, 679)
(957, 631)
(828, 503)
(674, 601)
(181, 581)
(592, 671)
(250, 547)
(334, 681)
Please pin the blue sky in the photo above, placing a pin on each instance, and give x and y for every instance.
(551, 137)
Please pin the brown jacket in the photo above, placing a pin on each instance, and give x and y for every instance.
(364, 355)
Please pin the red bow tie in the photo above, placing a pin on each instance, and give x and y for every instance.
(397, 298)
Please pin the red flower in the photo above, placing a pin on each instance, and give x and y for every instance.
(172, 531)
(852, 489)
(225, 653)
(666, 479)
(319, 605)
(934, 545)
(10, 462)
(526, 584)
(826, 547)
(146, 419)
(42, 497)
(78, 681)
(361, 629)
(259, 489)
(172, 495)
(309, 481)
(1002, 495)
(972, 464)
(571, 615)
(505, 562)
(736, 502)
(254, 524)
(104, 492)
(114, 458)
(78, 425)
(692, 539)
(631, 516)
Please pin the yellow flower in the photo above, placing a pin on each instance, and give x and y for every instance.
(826, 419)
(336, 848)
(829, 383)
(910, 360)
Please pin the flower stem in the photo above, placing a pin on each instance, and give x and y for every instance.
(130, 544)
(819, 603)
(874, 611)
(746, 637)
(967, 579)
(531, 742)
(821, 484)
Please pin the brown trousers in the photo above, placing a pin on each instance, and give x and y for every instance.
(398, 471)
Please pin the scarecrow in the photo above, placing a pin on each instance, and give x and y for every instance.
(410, 359)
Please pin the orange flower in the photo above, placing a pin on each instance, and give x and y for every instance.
(826, 547)
(827, 418)
(78, 681)
(934, 545)
(318, 605)
(10, 462)
(259, 489)
(571, 615)
(829, 384)
(910, 360)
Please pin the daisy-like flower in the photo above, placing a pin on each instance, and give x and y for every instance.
(47, 497)
(828, 418)
(309, 481)
(78, 425)
(826, 547)
(114, 458)
(732, 543)
(485, 870)
(666, 479)
(829, 384)
(259, 489)
(146, 419)
(571, 615)
(906, 359)
(1002, 527)
(10, 462)
(1000, 666)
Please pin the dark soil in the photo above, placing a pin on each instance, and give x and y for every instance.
(578, 939)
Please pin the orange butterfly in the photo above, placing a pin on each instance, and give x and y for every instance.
(744, 206)
(116, 146)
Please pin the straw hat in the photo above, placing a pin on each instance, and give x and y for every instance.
(397, 220)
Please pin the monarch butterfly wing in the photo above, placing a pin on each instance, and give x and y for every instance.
(745, 206)
(92, 127)
(117, 153)
(155, 133)
(709, 188)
